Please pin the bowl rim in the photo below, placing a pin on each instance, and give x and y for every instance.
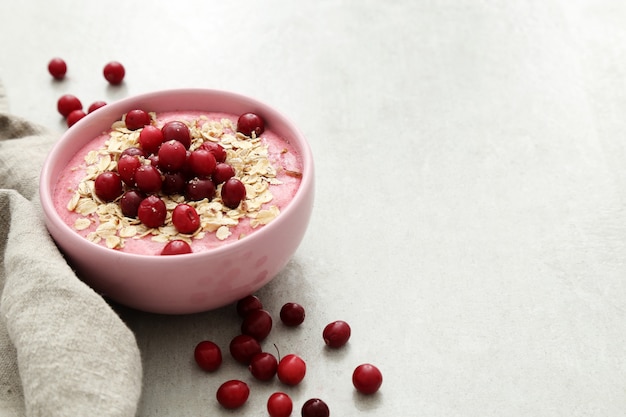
(46, 184)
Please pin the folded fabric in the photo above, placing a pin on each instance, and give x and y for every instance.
(63, 350)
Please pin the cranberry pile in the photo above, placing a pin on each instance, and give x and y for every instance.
(246, 349)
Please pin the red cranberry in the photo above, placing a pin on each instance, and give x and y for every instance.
(202, 162)
(315, 408)
(257, 323)
(263, 366)
(243, 347)
(249, 123)
(291, 369)
(216, 149)
(279, 404)
(233, 394)
(127, 166)
(208, 355)
(292, 314)
(108, 186)
(74, 117)
(148, 179)
(152, 211)
(172, 156)
(114, 72)
(233, 193)
(150, 138)
(57, 68)
(367, 378)
(133, 151)
(336, 334)
(176, 247)
(247, 304)
(185, 218)
(173, 183)
(95, 106)
(176, 130)
(67, 103)
(129, 203)
(222, 173)
(136, 119)
(199, 188)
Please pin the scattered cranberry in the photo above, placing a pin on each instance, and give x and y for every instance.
(291, 369)
(150, 138)
(243, 347)
(247, 304)
(222, 173)
(67, 103)
(202, 162)
(263, 366)
(315, 408)
(185, 218)
(208, 355)
(95, 106)
(129, 203)
(176, 130)
(176, 247)
(216, 149)
(136, 119)
(292, 314)
(279, 404)
(336, 334)
(133, 151)
(249, 123)
(233, 193)
(74, 117)
(57, 68)
(152, 211)
(367, 378)
(173, 183)
(233, 394)
(127, 167)
(148, 179)
(108, 186)
(257, 323)
(172, 156)
(114, 72)
(199, 188)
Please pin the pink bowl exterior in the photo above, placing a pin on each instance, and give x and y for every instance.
(184, 283)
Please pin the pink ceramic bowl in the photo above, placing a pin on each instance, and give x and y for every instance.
(182, 283)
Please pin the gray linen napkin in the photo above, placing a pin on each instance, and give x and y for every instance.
(63, 350)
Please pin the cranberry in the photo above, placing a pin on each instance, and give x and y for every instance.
(57, 68)
(133, 151)
(222, 173)
(175, 130)
(114, 72)
(263, 366)
(202, 162)
(199, 188)
(173, 183)
(172, 156)
(233, 394)
(67, 103)
(216, 149)
(127, 167)
(150, 138)
(336, 334)
(176, 247)
(152, 211)
(279, 404)
(185, 218)
(247, 304)
(315, 408)
(74, 117)
(243, 347)
(249, 123)
(367, 378)
(148, 179)
(108, 186)
(136, 119)
(95, 106)
(258, 324)
(291, 369)
(292, 314)
(233, 193)
(208, 355)
(129, 203)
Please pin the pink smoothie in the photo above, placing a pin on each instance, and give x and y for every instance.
(269, 166)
